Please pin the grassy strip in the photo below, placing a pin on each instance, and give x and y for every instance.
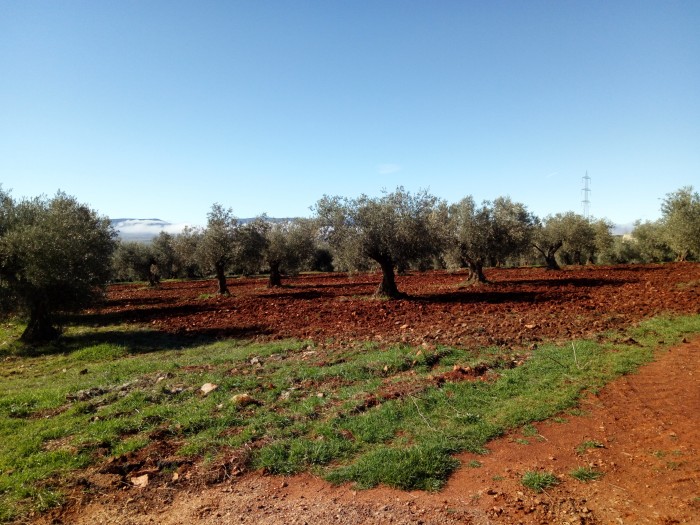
(366, 414)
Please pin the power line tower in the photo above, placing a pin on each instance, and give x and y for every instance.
(586, 191)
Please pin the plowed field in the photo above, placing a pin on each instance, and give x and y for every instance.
(520, 306)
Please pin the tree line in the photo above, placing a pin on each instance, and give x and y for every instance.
(56, 255)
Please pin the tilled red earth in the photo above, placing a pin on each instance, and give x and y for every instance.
(519, 307)
(646, 426)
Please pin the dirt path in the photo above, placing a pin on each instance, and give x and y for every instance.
(648, 426)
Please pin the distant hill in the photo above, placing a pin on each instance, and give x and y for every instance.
(622, 229)
(144, 230)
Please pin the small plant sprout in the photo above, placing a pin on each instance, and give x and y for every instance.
(587, 445)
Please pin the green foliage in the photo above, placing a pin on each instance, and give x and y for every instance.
(588, 445)
(391, 231)
(418, 467)
(493, 233)
(335, 418)
(539, 481)
(216, 249)
(649, 244)
(571, 237)
(185, 246)
(681, 222)
(285, 247)
(164, 255)
(135, 261)
(586, 474)
(55, 256)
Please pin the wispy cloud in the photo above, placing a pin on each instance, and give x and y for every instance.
(553, 174)
(388, 169)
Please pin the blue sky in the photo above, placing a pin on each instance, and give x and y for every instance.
(161, 108)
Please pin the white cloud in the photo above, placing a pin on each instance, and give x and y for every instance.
(145, 228)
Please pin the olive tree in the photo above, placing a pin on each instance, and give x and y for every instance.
(571, 232)
(513, 227)
(603, 241)
(135, 261)
(216, 250)
(163, 246)
(391, 231)
(185, 245)
(470, 237)
(649, 242)
(490, 233)
(251, 245)
(276, 246)
(681, 222)
(55, 257)
(289, 246)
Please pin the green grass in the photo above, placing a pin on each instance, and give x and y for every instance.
(586, 474)
(366, 414)
(588, 445)
(539, 481)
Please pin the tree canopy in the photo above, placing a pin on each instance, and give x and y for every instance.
(681, 222)
(392, 231)
(492, 232)
(217, 247)
(55, 256)
(289, 245)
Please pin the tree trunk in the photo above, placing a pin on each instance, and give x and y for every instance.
(221, 278)
(549, 253)
(275, 275)
(476, 272)
(387, 288)
(39, 328)
(153, 276)
(551, 261)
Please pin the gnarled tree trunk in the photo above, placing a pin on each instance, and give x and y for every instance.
(475, 266)
(387, 288)
(476, 272)
(275, 275)
(39, 328)
(549, 252)
(221, 279)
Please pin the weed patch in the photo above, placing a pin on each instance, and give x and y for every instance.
(366, 413)
(539, 481)
(586, 474)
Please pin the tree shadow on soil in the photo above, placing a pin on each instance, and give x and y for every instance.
(126, 302)
(141, 315)
(582, 282)
(295, 294)
(492, 297)
(145, 341)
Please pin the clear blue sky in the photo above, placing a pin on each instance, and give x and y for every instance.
(161, 108)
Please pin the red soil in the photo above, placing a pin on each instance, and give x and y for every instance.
(519, 307)
(648, 423)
